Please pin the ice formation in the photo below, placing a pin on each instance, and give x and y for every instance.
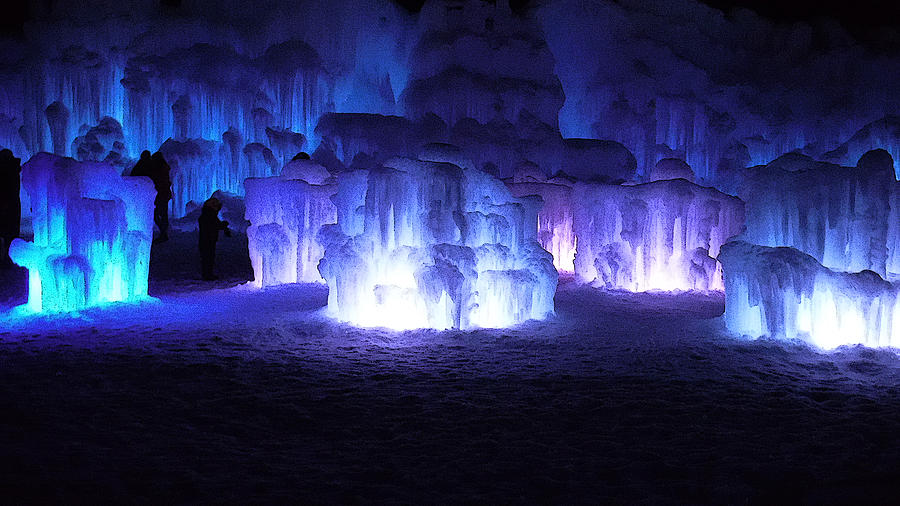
(92, 234)
(841, 216)
(556, 231)
(881, 134)
(782, 292)
(663, 235)
(286, 213)
(512, 73)
(430, 244)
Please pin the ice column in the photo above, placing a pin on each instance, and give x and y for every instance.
(92, 234)
(286, 213)
(429, 244)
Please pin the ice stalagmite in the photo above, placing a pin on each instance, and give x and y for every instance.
(286, 213)
(663, 235)
(785, 293)
(92, 234)
(430, 244)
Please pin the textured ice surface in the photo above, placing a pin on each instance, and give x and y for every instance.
(883, 133)
(785, 293)
(477, 60)
(429, 244)
(92, 234)
(841, 216)
(556, 231)
(663, 235)
(285, 214)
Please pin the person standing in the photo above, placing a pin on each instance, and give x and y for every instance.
(155, 167)
(10, 203)
(210, 224)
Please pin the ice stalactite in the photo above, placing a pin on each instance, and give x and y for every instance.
(512, 73)
(430, 244)
(286, 213)
(83, 83)
(92, 234)
(58, 119)
(195, 177)
(785, 293)
(663, 235)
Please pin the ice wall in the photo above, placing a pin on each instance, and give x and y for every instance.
(838, 215)
(677, 78)
(429, 244)
(376, 137)
(477, 60)
(92, 234)
(286, 213)
(785, 293)
(663, 235)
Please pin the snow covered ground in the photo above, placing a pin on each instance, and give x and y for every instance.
(222, 393)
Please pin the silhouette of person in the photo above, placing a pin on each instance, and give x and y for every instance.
(163, 182)
(210, 224)
(155, 167)
(144, 166)
(10, 204)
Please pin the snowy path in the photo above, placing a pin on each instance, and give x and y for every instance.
(235, 395)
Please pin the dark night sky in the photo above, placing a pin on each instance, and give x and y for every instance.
(872, 21)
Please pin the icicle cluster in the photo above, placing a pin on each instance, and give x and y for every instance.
(663, 235)
(784, 293)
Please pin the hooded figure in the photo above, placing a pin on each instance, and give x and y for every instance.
(210, 224)
(10, 204)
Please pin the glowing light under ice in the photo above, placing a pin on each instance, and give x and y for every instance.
(427, 244)
(556, 231)
(784, 293)
(92, 234)
(663, 235)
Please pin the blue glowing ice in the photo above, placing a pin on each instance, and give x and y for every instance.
(785, 293)
(92, 234)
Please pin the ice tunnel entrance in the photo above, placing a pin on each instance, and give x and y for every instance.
(432, 245)
(92, 234)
